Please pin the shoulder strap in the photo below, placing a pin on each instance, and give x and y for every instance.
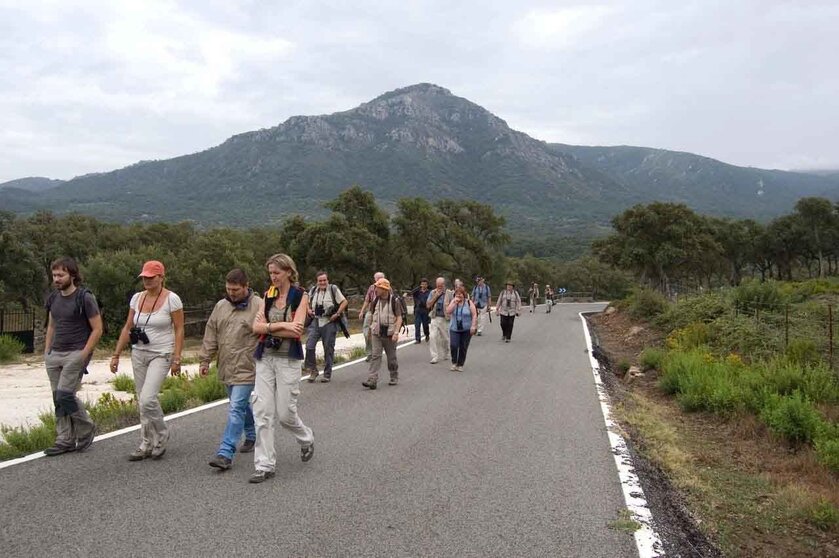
(334, 291)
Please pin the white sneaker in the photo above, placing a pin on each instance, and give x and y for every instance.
(433, 361)
(453, 368)
(459, 368)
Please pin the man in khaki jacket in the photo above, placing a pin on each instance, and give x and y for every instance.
(229, 334)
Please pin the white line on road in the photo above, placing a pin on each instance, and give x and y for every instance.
(646, 539)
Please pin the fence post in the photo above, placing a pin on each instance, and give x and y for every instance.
(830, 333)
(786, 326)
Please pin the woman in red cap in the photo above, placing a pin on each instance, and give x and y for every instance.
(155, 329)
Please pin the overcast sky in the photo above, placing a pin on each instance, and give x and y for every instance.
(93, 86)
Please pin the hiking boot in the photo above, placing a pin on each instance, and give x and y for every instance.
(313, 375)
(84, 443)
(157, 452)
(139, 454)
(418, 341)
(426, 339)
(369, 384)
(58, 450)
(507, 340)
(260, 476)
(247, 446)
(393, 381)
(325, 379)
(221, 462)
(307, 452)
(479, 333)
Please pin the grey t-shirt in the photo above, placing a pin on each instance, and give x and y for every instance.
(71, 328)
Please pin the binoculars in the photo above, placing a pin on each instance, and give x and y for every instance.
(136, 335)
(273, 343)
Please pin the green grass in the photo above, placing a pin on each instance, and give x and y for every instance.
(109, 413)
(123, 382)
(10, 349)
(651, 358)
(783, 394)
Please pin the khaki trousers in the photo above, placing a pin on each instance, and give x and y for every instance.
(72, 423)
(150, 369)
(439, 338)
(274, 399)
(388, 345)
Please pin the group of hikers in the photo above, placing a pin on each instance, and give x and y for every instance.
(257, 341)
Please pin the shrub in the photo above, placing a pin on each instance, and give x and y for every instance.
(690, 337)
(652, 358)
(124, 383)
(173, 400)
(754, 294)
(623, 366)
(110, 413)
(827, 448)
(793, 417)
(803, 351)
(22, 441)
(823, 515)
(646, 304)
(705, 308)
(208, 388)
(10, 349)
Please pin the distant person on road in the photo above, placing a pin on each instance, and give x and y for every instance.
(366, 314)
(278, 357)
(326, 306)
(438, 301)
(482, 297)
(421, 319)
(229, 335)
(533, 294)
(507, 307)
(463, 325)
(385, 326)
(155, 329)
(549, 298)
(74, 326)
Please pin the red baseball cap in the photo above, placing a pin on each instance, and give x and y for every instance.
(152, 268)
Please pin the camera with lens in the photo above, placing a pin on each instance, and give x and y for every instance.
(273, 343)
(383, 330)
(319, 310)
(135, 334)
(459, 325)
(509, 303)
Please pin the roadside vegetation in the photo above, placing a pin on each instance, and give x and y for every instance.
(112, 413)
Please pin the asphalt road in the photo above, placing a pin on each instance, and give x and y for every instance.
(508, 458)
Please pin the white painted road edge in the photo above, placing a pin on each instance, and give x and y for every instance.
(136, 427)
(646, 539)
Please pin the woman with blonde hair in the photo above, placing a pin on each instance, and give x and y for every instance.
(279, 325)
(155, 329)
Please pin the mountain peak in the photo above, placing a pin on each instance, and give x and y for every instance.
(416, 89)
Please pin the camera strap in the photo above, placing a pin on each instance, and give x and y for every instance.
(140, 310)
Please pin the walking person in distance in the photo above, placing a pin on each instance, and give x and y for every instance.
(482, 297)
(366, 314)
(421, 319)
(385, 326)
(507, 307)
(74, 326)
(327, 304)
(463, 325)
(155, 330)
(278, 356)
(438, 301)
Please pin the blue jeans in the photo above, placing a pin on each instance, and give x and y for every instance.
(239, 419)
(421, 319)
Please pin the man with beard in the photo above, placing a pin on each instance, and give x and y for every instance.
(74, 326)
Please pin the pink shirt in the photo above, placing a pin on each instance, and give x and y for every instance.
(371, 294)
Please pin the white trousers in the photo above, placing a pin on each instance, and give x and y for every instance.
(274, 399)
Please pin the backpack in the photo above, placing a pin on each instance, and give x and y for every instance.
(80, 306)
(397, 306)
